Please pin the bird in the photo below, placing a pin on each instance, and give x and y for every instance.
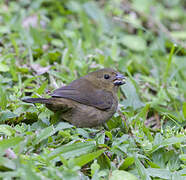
(89, 101)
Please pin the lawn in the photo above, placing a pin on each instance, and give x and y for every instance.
(47, 44)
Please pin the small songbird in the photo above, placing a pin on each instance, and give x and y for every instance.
(88, 101)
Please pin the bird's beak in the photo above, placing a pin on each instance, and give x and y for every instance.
(120, 79)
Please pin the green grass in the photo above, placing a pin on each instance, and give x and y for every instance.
(68, 39)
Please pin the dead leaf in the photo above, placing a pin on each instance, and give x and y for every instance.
(10, 154)
(30, 21)
(39, 69)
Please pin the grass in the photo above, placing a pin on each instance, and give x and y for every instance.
(46, 44)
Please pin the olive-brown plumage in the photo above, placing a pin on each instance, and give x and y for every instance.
(88, 101)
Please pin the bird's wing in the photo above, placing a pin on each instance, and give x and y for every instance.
(84, 92)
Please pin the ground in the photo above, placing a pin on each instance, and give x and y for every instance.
(47, 44)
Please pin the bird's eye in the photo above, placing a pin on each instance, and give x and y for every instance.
(106, 76)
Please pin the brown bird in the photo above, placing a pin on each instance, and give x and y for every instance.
(88, 101)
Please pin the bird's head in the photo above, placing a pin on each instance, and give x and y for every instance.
(107, 79)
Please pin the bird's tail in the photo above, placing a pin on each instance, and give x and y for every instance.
(36, 100)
